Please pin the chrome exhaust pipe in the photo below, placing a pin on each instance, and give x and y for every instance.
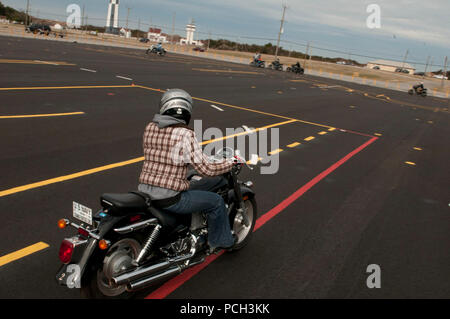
(141, 272)
(143, 283)
(136, 285)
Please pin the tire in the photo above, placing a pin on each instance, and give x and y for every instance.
(411, 92)
(93, 284)
(244, 233)
(288, 69)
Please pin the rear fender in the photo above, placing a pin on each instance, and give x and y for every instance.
(71, 274)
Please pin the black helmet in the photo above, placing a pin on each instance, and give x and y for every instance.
(176, 103)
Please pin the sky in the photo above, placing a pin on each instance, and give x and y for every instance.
(419, 28)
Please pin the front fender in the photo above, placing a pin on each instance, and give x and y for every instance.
(246, 191)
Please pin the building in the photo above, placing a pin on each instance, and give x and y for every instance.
(155, 35)
(112, 19)
(390, 66)
(189, 40)
(125, 33)
(3, 19)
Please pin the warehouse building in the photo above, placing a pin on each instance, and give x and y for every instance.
(390, 66)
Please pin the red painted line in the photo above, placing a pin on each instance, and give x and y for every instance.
(171, 285)
(288, 201)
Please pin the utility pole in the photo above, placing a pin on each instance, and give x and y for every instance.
(82, 17)
(173, 26)
(306, 54)
(404, 60)
(281, 30)
(28, 10)
(426, 67)
(209, 39)
(128, 15)
(445, 72)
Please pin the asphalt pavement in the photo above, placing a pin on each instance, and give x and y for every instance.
(363, 172)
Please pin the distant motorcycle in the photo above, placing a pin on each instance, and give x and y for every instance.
(258, 63)
(153, 49)
(418, 90)
(276, 65)
(295, 69)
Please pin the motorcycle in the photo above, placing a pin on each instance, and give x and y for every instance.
(418, 90)
(276, 65)
(295, 69)
(258, 63)
(153, 49)
(130, 244)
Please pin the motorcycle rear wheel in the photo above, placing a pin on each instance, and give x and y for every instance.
(96, 285)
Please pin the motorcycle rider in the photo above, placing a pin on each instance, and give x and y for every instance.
(419, 87)
(159, 47)
(257, 58)
(163, 175)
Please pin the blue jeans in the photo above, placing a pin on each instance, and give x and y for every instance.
(212, 204)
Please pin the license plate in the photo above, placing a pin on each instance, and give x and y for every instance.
(82, 213)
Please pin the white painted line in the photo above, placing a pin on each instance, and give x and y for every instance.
(87, 70)
(217, 108)
(122, 77)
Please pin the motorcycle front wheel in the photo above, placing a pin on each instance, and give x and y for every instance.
(244, 233)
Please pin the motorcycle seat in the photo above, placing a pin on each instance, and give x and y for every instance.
(122, 204)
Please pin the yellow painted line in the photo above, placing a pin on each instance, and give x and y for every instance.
(322, 133)
(68, 177)
(39, 115)
(293, 145)
(22, 253)
(331, 129)
(249, 162)
(225, 71)
(241, 108)
(67, 87)
(115, 165)
(417, 148)
(12, 61)
(275, 151)
(410, 163)
(309, 138)
(247, 132)
(377, 134)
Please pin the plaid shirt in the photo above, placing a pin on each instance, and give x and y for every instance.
(168, 152)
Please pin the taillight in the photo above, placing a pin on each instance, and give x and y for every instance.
(65, 251)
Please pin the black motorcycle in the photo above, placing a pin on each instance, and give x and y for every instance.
(276, 65)
(130, 244)
(295, 69)
(154, 50)
(418, 90)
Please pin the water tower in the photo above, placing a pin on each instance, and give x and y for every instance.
(112, 20)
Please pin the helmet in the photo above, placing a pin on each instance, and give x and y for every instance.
(176, 103)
